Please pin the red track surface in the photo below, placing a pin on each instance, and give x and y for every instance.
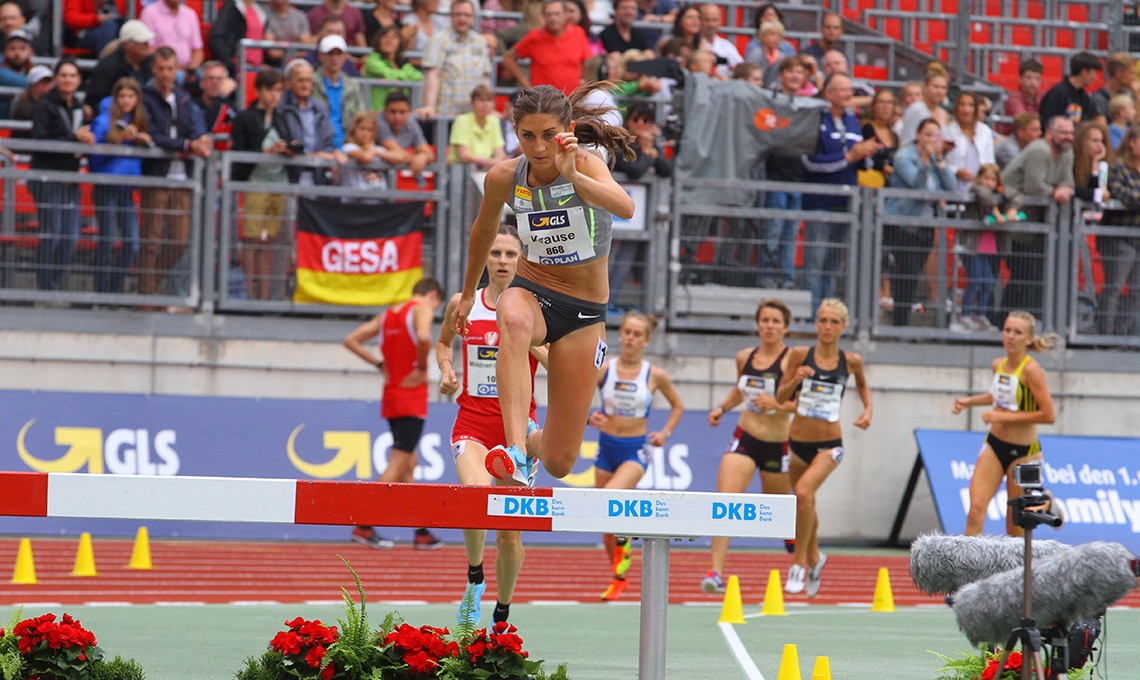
(219, 572)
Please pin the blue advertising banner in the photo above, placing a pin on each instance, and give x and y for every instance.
(1096, 480)
(275, 438)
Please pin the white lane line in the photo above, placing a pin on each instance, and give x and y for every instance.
(741, 654)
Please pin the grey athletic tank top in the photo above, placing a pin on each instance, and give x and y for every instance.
(555, 225)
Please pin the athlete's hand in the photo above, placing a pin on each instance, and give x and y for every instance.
(766, 402)
(417, 377)
(715, 415)
(990, 417)
(958, 407)
(864, 420)
(448, 381)
(804, 372)
(656, 439)
(598, 420)
(462, 311)
(566, 153)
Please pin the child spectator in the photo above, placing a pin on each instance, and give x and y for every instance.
(749, 72)
(1121, 115)
(980, 248)
(121, 120)
(477, 136)
(362, 151)
(387, 62)
(702, 61)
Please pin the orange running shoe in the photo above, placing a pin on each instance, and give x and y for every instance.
(615, 589)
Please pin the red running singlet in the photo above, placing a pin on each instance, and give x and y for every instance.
(398, 346)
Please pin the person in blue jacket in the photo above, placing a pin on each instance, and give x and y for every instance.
(121, 120)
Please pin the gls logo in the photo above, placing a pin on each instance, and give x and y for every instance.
(745, 512)
(630, 509)
(488, 353)
(122, 451)
(548, 220)
(528, 506)
(360, 451)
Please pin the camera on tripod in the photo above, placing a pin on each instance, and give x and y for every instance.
(1029, 475)
(1035, 506)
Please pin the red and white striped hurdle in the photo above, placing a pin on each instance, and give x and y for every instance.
(655, 516)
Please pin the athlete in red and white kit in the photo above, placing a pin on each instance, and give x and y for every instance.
(405, 343)
(479, 424)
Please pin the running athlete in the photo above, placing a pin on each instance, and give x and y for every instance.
(564, 199)
(818, 375)
(1020, 400)
(405, 341)
(760, 441)
(627, 385)
(479, 424)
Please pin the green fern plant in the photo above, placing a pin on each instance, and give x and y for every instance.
(11, 663)
(118, 669)
(268, 666)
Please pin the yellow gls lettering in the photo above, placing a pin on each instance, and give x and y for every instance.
(584, 479)
(352, 449)
(85, 447)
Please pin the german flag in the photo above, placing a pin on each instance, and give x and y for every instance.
(358, 254)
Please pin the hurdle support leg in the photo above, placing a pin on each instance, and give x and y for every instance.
(654, 607)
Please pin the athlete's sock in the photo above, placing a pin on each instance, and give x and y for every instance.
(422, 532)
(475, 573)
(502, 611)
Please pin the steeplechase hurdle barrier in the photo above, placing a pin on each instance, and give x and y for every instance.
(655, 516)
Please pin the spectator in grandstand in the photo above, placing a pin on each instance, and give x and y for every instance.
(333, 26)
(934, 88)
(830, 35)
(401, 136)
(621, 34)
(382, 15)
(656, 11)
(456, 61)
(176, 124)
(287, 24)
(262, 128)
(404, 349)
(759, 443)
(1027, 96)
(764, 14)
(1026, 128)
(1070, 97)
(972, 141)
(765, 51)
(630, 84)
(387, 62)
(687, 27)
(877, 125)
(1119, 314)
(131, 58)
(16, 65)
(419, 24)
(979, 249)
(12, 18)
(727, 56)
(238, 20)
(361, 172)
(576, 14)
(531, 19)
(749, 73)
(58, 116)
(816, 377)
(91, 24)
(557, 52)
(834, 62)
(1043, 168)
(178, 26)
(352, 16)
(1120, 75)
(840, 152)
(1020, 399)
(1121, 115)
(1091, 160)
(121, 120)
(308, 122)
(477, 136)
(340, 94)
(40, 81)
(216, 100)
(778, 239)
(918, 165)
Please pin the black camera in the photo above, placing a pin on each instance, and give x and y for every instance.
(1028, 475)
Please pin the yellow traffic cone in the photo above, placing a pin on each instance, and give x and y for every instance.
(733, 609)
(84, 557)
(140, 554)
(789, 664)
(773, 596)
(884, 601)
(25, 573)
(822, 670)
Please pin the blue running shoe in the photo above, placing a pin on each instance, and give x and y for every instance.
(471, 603)
(509, 465)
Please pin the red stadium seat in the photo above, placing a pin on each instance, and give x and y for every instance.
(406, 181)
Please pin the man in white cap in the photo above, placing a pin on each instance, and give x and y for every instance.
(131, 59)
(340, 94)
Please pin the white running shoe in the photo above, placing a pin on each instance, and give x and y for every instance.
(795, 582)
(814, 576)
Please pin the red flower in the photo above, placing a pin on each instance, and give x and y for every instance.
(419, 662)
(476, 650)
(287, 642)
(328, 672)
(313, 658)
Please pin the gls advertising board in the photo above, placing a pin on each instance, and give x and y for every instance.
(1096, 480)
(276, 438)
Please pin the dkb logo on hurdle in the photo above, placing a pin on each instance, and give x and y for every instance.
(746, 512)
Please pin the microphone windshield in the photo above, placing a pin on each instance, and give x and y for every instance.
(943, 564)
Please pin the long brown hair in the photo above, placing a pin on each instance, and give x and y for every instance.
(138, 116)
(589, 126)
(1124, 151)
(1082, 164)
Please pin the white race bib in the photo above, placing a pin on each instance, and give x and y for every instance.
(752, 386)
(1004, 391)
(556, 236)
(820, 400)
(624, 401)
(481, 360)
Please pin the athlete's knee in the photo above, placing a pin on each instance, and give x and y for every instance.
(515, 321)
(508, 540)
(805, 496)
(558, 465)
